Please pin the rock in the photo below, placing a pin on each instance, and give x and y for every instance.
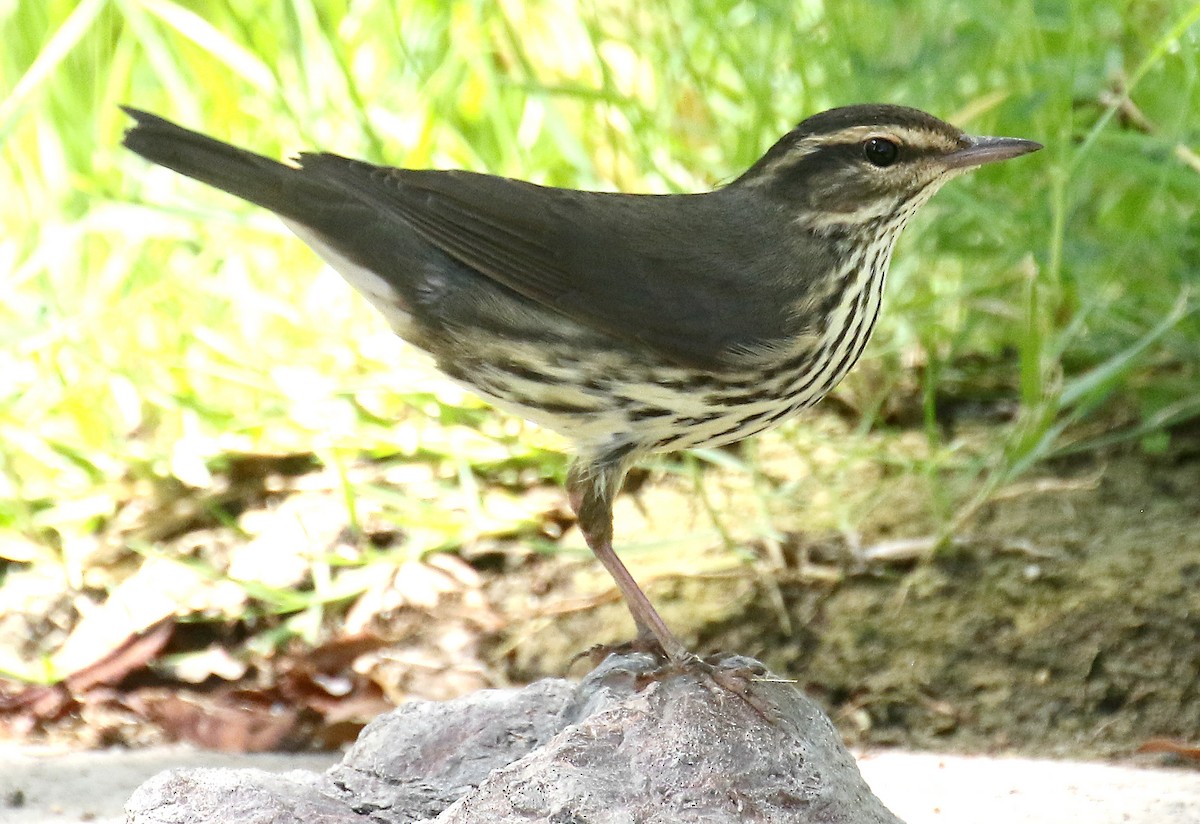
(621, 746)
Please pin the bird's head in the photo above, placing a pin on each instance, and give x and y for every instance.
(860, 164)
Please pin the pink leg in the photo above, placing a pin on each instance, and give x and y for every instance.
(591, 489)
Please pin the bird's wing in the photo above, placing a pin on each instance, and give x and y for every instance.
(695, 289)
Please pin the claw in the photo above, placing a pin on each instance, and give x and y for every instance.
(599, 652)
(736, 680)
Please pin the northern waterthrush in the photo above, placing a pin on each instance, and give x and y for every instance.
(632, 324)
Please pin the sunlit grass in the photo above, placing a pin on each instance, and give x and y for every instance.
(150, 325)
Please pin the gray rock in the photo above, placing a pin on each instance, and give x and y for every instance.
(622, 746)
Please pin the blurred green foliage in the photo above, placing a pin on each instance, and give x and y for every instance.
(149, 324)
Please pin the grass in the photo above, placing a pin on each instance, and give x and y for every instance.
(151, 326)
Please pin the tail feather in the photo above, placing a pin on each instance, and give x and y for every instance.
(285, 190)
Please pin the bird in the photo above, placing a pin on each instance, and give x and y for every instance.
(632, 324)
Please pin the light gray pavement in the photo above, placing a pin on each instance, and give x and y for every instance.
(39, 786)
(925, 788)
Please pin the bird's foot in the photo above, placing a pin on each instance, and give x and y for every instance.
(738, 680)
(726, 672)
(597, 653)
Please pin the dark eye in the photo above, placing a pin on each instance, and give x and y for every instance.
(880, 151)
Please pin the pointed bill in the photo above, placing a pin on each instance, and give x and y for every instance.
(981, 150)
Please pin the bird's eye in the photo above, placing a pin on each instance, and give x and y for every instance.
(880, 151)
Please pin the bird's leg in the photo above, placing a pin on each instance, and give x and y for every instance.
(591, 487)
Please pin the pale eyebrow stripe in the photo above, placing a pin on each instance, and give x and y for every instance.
(854, 134)
(917, 142)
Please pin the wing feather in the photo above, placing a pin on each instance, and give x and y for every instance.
(719, 278)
